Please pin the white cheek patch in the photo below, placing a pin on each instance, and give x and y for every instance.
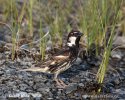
(71, 41)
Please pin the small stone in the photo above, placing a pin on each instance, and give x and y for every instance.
(84, 67)
(44, 90)
(77, 94)
(47, 89)
(59, 92)
(11, 71)
(22, 63)
(18, 60)
(29, 90)
(2, 61)
(49, 98)
(71, 88)
(120, 40)
(117, 81)
(81, 85)
(82, 80)
(116, 55)
(57, 98)
(1, 73)
(25, 46)
(78, 61)
(123, 59)
(84, 96)
(97, 63)
(49, 45)
(7, 38)
(36, 95)
(34, 50)
(29, 64)
(2, 43)
(1, 55)
(23, 87)
(31, 83)
(11, 83)
(120, 91)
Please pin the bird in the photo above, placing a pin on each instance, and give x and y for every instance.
(62, 60)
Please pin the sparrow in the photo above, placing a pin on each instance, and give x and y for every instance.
(62, 60)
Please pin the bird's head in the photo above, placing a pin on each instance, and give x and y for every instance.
(73, 39)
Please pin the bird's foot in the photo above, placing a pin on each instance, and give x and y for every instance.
(60, 84)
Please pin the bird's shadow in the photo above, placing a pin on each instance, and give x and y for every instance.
(69, 73)
(74, 70)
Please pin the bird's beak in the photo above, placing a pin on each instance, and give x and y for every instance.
(80, 34)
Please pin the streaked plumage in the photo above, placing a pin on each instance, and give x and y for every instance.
(62, 60)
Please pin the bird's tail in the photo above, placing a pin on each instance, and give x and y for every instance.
(37, 69)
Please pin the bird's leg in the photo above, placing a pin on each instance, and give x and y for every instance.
(59, 82)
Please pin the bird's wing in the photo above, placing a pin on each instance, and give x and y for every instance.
(58, 66)
(50, 66)
(37, 69)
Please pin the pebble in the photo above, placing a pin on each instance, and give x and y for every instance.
(11, 71)
(8, 38)
(50, 99)
(43, 90)
(2, 43)
(23, 87)
(29, 90)
(1, 55)
(31, 83)
(1, 73)
(116, 55)
(117, 81)
(23, 63)
(24, 46)
(84, 96)
(11, 83)
(71, 88)
(84, 67)
(120, 40)
(77, 94)
(81, 85)
(78, 61)
(36, 95)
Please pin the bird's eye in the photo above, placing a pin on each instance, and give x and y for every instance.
(72, 33)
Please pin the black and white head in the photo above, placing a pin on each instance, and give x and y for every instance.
(73, 39)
